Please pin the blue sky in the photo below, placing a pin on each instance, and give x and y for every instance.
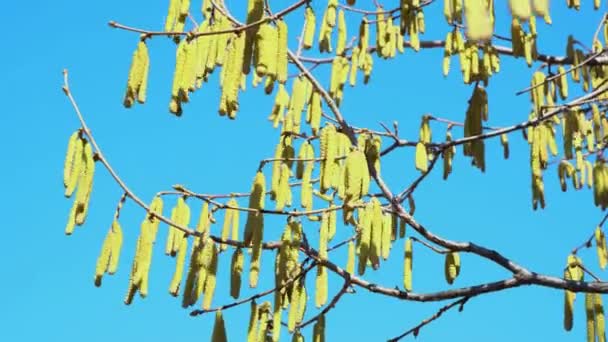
(47, 291)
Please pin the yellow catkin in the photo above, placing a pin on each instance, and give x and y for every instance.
(364, 240)
(350, 261)
(266, 50)
(138, 76)
(302, 301)
(236, 270)
(309, 28)
(478, 21)
(104, 257)
(172, 15)
(600, 322)
(219, 328)
(253, 322)
(297, 337)
(143, 257)
(282, 51)
(210, 280)
(256, 201)
(72, 164)
(321, 279)
(318, 334)
(376, 228)
(306, 189)
(452, 266)
(115, 247)
(292, 315)
(421, 157)
(402, 228)
(276, 317)
(590, 317)
(315, 109)
(204, 222)
(179, 267)
(226, 227)
(85, 184)
(235, 219)
(600, 242)
(342, 33)
(328, 154)
(387, 227)
(254, 228)
(407, 266)
(255, 11)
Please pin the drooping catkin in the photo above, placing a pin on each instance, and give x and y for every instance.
(376, 232)
(255, 11)
(210, 280)
(254, 228)
(292, 314)
(387, 235)
(600, 322)
(180, 215)
(282, 61)
(364, 225)
(219, 328)
(342, 33)
(85, 184)
(179, 265)
(253, 322)
(452, 266)
(236, 270)
(407, 265)
(319, 330)
(321, 279)
(309, 28)
(590, 317)
(266, 41)
(328, 154)
(137, 82)
(600, 242)
(73, 163)
(276, 317)
(350, 261)
(110, 253)
(256, 201)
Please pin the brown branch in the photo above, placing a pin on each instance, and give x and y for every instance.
(415, 330)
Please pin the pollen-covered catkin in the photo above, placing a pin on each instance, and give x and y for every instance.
(104, 257)
(407, 265)
(137, 82)
(321, 279)
(600, 242)
(452, 266)
(266, 50)
(282, 48)
(236, 270)
(319, 330)
(179, 265)
(342, 33)
(309, 28)
(256, 201)
(73, 163)
(600, 322)
(85, 184)
(328, 154)
(210, 280)
(590, 317)
(254, 228)
(219, 328)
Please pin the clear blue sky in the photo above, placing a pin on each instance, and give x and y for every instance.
(47, 291)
